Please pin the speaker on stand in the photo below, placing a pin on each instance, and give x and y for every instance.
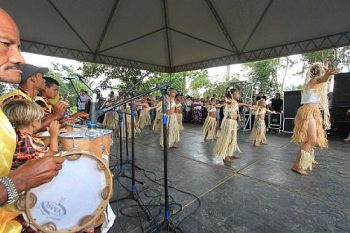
(291, 104)
(340, 104)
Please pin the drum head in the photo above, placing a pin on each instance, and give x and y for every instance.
(86, 133)
(74, 199)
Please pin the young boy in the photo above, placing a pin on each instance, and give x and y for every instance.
(25, 116)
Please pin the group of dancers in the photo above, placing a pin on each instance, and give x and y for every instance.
(309, 129)
(142, 119)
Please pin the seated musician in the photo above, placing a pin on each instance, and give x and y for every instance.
(54, 112)
(32, 82)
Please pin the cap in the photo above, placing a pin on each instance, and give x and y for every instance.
(28, 70)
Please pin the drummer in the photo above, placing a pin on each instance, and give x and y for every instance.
(51, 91)
(26, 116)
(32, 173)
(32, 82)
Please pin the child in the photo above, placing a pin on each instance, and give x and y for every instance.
(258, 134)
(172, 124)
(25, 116)
(226, 144)
(210, 126)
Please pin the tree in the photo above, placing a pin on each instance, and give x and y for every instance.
(219, 88)
(335, 57)
(264, 74)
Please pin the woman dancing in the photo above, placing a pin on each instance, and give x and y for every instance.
(210, 126)
(308, 123)
(226, 144)
(258, 134)
(172, 124)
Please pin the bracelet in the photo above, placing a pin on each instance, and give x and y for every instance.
(12, 194)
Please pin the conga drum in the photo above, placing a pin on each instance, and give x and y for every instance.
(96, 141)
(72, 201)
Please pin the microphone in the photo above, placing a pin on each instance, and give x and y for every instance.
(93, 112)
(68, 78)
(79, 76)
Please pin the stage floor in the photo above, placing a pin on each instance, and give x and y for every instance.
(257, 193)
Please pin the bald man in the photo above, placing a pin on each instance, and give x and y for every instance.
(34, 172)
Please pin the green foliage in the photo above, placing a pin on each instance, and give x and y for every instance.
(125, 76)
(294, 87)
(332, 57)
(219, 88)
(327, 56)
(264, 74)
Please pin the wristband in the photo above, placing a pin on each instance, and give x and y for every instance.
(12, 194)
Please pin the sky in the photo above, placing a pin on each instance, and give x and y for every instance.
(216, 74)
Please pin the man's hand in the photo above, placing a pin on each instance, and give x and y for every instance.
(59, 110)
(36, 172)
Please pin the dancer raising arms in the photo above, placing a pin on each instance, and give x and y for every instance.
(258, 134)
(226, 144)
(172, 124)
(308, 123)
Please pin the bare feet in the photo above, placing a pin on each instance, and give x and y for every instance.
(161, 148)
(300, 171)
(175, 146)
(228, 160)
(315, 162)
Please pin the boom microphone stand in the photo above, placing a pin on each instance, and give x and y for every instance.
(163, 88)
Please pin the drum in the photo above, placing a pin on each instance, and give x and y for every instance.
(74, 127)
(72, 201)
(96, 141)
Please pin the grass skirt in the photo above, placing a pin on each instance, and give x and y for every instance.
(301, 125)
(210, 128)
(173, 131)
(145, 119)
(157, 123)
(136, 127)
(179, 118)
(258, 134)
(226, 144)
(111, 120)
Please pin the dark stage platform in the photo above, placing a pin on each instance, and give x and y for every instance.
(257, 193)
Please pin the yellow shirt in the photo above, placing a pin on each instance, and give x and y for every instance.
(7, 149)
(14, 95)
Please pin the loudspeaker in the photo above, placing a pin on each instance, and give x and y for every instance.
(341, 94)
(275, 121)
(288, 125)
(291, 103)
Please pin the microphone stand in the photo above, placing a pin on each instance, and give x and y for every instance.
(133, 194)
(75, 89)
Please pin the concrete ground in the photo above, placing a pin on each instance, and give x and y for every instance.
(257, 193)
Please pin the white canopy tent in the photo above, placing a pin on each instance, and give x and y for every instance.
(178, 35)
